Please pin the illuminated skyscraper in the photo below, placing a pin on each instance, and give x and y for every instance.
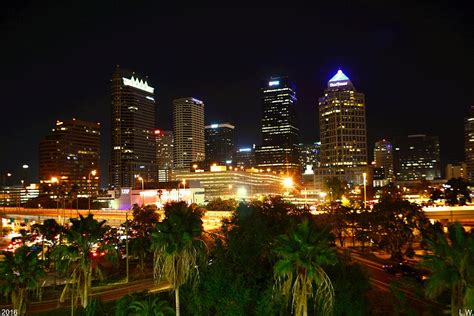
(133, 149)
(188, 129)
(469, 143)
(164, 154)
(342, 132)
(219, 140)
(309, 155)
(383, 156)
(70, 154)
(417, 157)
(279, 148)
(244, 157)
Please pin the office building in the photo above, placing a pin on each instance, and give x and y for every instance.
(417, 157)
(232, 183)
(164, 154)
(245, 157)
(280, 134)
(188, 131)
(383, 157)
(469, 143)
(70, 155)
(456, 171)
(219, 143)
(133, 148)
(342, 132)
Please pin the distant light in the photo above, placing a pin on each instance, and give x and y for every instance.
(142, 167)
(241, 192)
(228, 162)
(274, 83)
(25, 166)
(150, 98)
(157, 131)
(214, 125)
(245, 150)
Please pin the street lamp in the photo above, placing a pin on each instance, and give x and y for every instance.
(365, 189)
(140, 178)
(288, 184)
(93, 173)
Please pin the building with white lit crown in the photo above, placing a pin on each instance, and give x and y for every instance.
(280, 134)
(188, 130)
(133, 148)
(342, 132)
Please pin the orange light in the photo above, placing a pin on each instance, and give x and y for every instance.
(93, 173)
(54, 180)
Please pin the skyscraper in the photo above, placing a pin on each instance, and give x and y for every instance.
(417, 157)
(70, 154)
(188, 130)
(342, 132)
(383, 156)
(469, 143)
(244, 157)
(164, 154)
(309, 155)
(219, 141)
(133, 149)
(279, 147)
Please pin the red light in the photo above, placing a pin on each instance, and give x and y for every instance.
(157, 132)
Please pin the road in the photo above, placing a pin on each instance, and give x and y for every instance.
(381, 281)
(105, 295)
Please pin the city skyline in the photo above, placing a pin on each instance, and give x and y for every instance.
(84, 92)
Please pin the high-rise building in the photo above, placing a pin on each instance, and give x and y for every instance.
(188, 130)
(383, 156)
(309, 155)
(219, 141)
(469, 143)
(244, 157)
(342, 132)
(164, 154)
(456, 171)
(279, 147)
(417, 157)
(70, 155)
(133, 149)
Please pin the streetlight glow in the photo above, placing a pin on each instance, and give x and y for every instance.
(288, 182)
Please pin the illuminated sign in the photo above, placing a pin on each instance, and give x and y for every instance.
(125, 191)
(245, 150)
(338, 84)
(214, 125)
(138, 84)
(150, 98)
(274, 83)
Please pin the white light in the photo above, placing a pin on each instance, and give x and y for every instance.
(150, 98)
(25, 166)
(337, 84)
(245, 150)
(274, 83)
(138, 83)
(214, 125)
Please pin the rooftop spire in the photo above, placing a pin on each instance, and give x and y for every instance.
(339, 76)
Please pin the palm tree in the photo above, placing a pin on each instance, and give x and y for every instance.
(177, 245)
(298, 272)
(21, 271)
(50, 230)
(150, 306)
(452, 267)
(75, 258)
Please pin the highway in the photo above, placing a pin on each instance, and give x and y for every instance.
(112, 294)
(381, 280)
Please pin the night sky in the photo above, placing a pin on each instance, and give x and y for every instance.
(415, 65)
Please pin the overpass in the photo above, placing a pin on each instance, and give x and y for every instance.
(211, 219)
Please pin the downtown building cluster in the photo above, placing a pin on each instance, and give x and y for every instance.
(148, 157)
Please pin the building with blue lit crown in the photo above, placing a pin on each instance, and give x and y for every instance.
(343, 134)
(279, 148)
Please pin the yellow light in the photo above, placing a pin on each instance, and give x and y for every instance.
(288, 182)
(93, 173)
(54, 180)
(268, 169)
(195, 166)
(230, 186)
